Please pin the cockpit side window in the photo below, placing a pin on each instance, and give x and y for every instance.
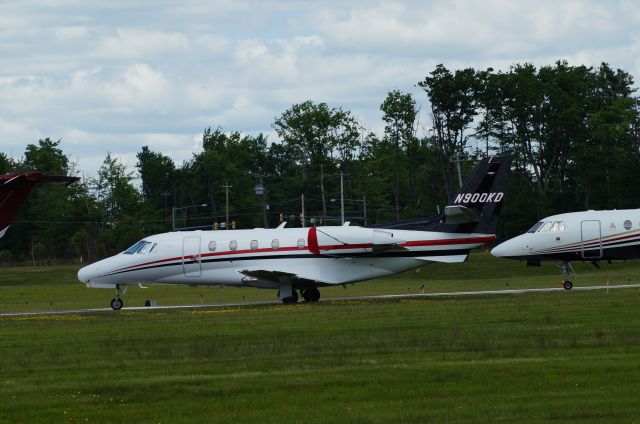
(557, 226)
(133, 249)
(535, 227)
(546, 227)
(146, 248)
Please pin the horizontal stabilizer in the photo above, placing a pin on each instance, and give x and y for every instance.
(458, 214)
(448, 259)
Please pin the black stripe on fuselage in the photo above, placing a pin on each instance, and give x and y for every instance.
(616, 253)
(407, 254)
(607, 245)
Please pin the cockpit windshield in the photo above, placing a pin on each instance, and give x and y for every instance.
(535, 227)
(141, 247)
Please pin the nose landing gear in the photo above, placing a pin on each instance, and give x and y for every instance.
(116, 302)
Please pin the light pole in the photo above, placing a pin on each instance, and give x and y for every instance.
(364, 207)
(342, 174)
(261, 191)
(174, 209)
(226, 209)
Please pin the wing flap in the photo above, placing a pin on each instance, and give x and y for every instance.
(448, 259)
(274, 278)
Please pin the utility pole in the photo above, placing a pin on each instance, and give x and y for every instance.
(364, 208)
(457, 160)
(342, 175)
(341, 198)
(226, 210)
(302, 214)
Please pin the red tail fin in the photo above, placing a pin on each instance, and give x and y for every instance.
(14, 189)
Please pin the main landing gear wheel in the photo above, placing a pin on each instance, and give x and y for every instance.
(291, 299)
(116, 304)
(566, 269)
(311, 295)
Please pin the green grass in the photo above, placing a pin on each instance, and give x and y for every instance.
(57, 288)
(522, 358)
(537, 357)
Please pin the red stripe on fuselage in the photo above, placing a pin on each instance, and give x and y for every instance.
(446, 242)
(416, 243)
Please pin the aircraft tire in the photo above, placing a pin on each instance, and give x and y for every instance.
(291, 299)
(314, 295)
(567, 285)
(311, 295)
(116, 304)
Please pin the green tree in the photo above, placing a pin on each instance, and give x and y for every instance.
(157, 173)
(454, 99)
(6, 165)
(118, 201)
(46, 157)
(317, 134)
(399, 115)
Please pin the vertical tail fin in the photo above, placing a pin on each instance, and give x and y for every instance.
(14, 189)
(476, 207)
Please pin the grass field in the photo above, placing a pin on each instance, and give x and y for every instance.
(55, 288)
(560, 357)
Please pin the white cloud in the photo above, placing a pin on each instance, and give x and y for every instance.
(135, 44)
(213, 43)
(114, 76)
(71, 33)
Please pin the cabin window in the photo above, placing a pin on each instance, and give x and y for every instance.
(212, 246)
(300, 243)
(233, 245)
(275, 243)
(535, 227)
(254, 244)
(627, 225)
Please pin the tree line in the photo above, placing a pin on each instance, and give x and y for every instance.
(573, 133)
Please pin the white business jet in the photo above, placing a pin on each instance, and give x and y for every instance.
(304, 259)
(589, 236)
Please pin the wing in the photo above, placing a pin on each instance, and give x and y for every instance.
(274, 278)
(448, 259)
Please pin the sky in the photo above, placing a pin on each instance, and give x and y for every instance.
(115, 76)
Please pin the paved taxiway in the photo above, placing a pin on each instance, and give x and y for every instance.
(333, 299)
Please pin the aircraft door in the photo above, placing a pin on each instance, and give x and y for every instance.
(591, 239)
(191, 264)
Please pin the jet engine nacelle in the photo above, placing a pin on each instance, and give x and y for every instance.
(333, 240)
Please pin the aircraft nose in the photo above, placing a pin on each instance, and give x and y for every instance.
(88, 273)
(511, 249)
(502, 250)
